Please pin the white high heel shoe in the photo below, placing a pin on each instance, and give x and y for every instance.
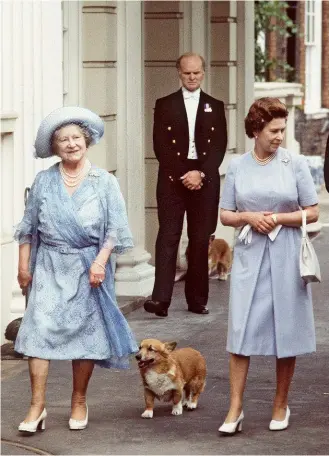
(31, 426)
(78, 425)
(232, 428)
(280, 425)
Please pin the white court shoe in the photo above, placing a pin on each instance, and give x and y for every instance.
(31, 426)
(78, 425)
(232, 428)
(280, 425)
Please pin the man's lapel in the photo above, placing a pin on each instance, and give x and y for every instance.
(180, 107)
(199, 114)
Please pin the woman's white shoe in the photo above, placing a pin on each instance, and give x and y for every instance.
(280, 425)
(31, 426)
(78, 425)
(232, 428)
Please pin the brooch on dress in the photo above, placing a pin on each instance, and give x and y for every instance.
(93, 173)
(285, 161)
(207, 107)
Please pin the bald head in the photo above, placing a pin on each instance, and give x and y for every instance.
(188, 55)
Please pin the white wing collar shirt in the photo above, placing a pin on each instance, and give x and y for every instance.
(191, 101)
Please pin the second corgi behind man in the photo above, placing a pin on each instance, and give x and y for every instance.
(219, 257)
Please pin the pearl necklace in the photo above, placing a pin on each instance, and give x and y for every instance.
(73, 181)
(263, 161)
(72, 176)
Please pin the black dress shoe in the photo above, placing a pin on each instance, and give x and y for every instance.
(159, 308)
(200, 310)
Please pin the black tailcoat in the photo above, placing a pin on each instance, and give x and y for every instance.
(171, 145)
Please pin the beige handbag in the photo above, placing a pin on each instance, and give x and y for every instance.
(308, 261)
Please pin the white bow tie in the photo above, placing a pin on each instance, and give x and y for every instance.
(193, 95)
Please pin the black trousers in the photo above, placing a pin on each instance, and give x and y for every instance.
(201, 207)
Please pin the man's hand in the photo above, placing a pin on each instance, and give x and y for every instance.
(192, 180)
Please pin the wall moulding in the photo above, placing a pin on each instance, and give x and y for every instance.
(99, 64)
(8, 120)
(164, 15)
(108, 117)
(223, 20)
(223, 63)
(99, 9)
(230, 106)
(160, 63)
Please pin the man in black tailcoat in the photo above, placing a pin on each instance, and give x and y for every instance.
(189, 139)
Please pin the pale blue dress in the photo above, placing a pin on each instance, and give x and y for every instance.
(65, 317)
(270, 308)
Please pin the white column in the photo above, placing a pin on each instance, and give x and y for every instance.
(72, 53)
(31, 87)
(134, 276)
(313, 57)
(245, 70)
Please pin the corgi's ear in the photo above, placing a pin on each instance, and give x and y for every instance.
(170, 346)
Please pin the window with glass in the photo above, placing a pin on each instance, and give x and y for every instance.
(310, 22)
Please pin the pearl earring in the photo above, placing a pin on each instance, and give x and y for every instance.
(256, 137)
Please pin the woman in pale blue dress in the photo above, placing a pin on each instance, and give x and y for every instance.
(74, 219)
(270, 310)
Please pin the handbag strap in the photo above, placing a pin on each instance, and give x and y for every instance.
(304, 213)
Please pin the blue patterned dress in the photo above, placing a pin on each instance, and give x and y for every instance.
(270, 310)
(65, 317)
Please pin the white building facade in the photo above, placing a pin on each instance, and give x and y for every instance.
(114, 58)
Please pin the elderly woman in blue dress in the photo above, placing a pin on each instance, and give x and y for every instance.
(74, 219)
(270, 311)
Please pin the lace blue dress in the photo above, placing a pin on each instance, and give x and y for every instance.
(270, 310)
(65, 317)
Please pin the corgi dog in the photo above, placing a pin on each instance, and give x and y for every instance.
(219, 257)
(176, 376)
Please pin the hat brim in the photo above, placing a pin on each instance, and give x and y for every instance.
(63, 116)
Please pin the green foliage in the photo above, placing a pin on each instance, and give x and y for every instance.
(264, 12)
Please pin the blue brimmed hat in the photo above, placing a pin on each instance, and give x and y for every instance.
(64, 116)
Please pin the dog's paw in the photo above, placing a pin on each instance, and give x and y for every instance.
(147, 414)
(177, 409)
(223, 276)
(191, 405)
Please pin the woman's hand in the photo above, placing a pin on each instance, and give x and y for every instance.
(261, 221)
(96, 275)
(24, 279)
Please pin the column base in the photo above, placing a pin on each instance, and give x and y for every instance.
(134, 276)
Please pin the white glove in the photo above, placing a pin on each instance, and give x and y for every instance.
(246, 233)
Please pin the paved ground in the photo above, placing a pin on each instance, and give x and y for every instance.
(116, 397)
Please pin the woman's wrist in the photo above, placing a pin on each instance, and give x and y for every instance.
(103, 266)
(245, 217)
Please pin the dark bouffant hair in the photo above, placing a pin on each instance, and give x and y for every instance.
(261, 112)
